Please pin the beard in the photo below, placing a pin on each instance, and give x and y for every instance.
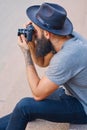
(43, 46)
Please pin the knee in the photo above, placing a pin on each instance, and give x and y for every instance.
(23, 104)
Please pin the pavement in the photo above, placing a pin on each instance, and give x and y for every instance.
(13, 81)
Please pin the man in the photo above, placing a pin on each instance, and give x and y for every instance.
(68, 67)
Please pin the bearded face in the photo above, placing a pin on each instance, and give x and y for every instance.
(43, 46)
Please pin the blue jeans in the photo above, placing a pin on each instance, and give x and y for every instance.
(65, 109)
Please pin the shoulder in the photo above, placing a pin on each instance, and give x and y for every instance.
(62, 57)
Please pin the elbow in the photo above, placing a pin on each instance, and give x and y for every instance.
(42, 64)
(37, 98)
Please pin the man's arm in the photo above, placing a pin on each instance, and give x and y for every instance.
(41, 88)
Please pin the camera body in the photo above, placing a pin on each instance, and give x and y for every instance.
(27, 32)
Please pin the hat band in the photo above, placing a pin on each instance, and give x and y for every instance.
(48, 25)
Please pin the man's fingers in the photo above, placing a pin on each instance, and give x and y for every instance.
(27, 24)
(20, 40)
(23, 38)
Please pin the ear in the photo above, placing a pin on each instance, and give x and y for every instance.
(47, 34)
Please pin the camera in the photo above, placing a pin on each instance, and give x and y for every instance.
(27, 32)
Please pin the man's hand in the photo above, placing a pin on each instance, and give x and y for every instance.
(22, 42)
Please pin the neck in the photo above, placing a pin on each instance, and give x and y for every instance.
(59, 41)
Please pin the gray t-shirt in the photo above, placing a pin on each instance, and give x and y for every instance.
(68, 67)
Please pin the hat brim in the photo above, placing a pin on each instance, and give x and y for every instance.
(66, 30)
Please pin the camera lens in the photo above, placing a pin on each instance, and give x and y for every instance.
(28, 32)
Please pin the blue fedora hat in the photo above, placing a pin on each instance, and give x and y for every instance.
(50, 17)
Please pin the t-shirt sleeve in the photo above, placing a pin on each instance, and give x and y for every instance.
(61, 69)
